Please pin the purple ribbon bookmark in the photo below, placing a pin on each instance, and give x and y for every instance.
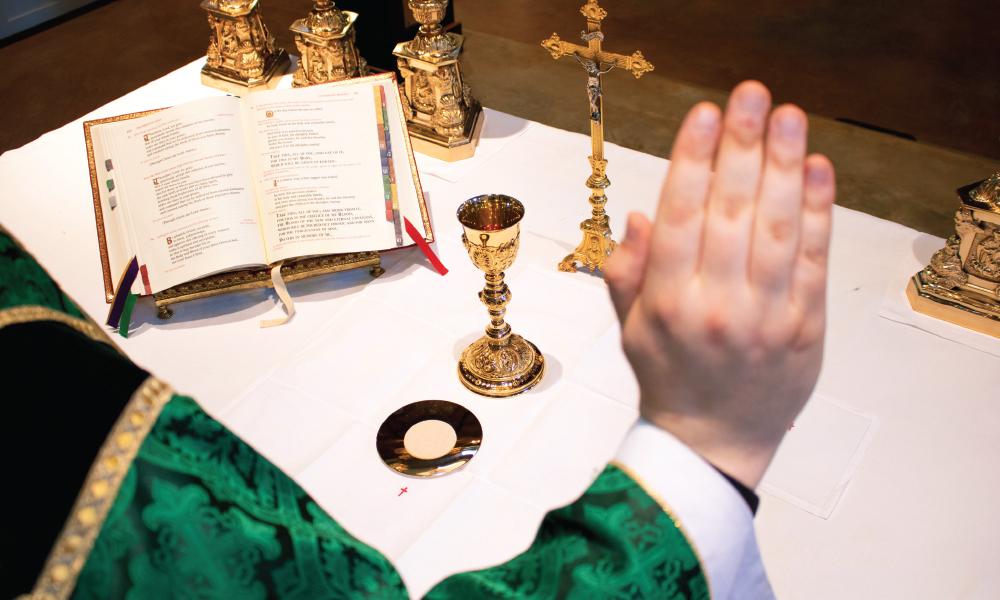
(122, 293)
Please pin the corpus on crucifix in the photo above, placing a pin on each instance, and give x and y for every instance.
(597, 244)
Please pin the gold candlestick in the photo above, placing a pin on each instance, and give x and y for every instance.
(325, 40)
(962, 282)
(597, 244)
(443, 118)
(500, 363)
(241, 54)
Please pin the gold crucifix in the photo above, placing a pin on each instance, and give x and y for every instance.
(597, 244)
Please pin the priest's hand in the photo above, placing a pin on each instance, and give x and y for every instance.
(722, 298)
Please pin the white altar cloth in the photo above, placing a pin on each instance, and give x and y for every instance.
(917, 520)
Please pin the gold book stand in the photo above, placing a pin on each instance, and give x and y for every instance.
(249, 279)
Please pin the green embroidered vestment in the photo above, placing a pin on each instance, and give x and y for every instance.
(200, 514)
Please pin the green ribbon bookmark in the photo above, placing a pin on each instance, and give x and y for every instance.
(126, 318)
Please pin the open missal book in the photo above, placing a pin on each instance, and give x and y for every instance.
(226, 183)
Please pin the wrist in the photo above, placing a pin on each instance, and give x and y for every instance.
(727, 448)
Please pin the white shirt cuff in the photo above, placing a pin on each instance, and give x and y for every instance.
(711, 513)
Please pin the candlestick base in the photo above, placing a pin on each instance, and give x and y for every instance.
(594, 250)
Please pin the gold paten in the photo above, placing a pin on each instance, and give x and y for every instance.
(500, 363)
(241, 52)
(325, 40)
(962, 282)
(597, 244)
(100, 489)
(260, 277)
(391, 449)
(443, 118)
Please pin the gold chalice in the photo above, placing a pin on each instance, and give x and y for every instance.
(500, 363)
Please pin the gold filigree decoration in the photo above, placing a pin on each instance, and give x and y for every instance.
(989, 192)
(260, 277)
(945, 268)
(515, 359)
(73, 546)
(592, 11)
(239, 42)
(638, 64)
(493, 258)
(442, 116)
(326, 43)
(984, 256)
(554, 45)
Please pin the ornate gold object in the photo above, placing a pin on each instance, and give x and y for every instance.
(241, 53)
(325, 40)
(962, 282)
(443, 118)
(988, 192)
(248, 279)
(597, 244)
(500, 363)
(390, 439)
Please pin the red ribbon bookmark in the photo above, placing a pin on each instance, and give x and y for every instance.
(424, 247)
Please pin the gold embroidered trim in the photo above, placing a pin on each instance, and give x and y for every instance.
(31, 313)
(670, 514)
(100, 488)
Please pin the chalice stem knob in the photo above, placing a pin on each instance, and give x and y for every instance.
(496, 296)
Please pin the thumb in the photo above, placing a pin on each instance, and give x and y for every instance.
(625, 270)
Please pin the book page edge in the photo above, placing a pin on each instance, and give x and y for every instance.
(95, 188)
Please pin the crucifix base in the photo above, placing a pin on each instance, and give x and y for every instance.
(594, 250)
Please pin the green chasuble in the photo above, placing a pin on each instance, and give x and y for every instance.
(177, 506)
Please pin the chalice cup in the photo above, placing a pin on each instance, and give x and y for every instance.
(500, 363)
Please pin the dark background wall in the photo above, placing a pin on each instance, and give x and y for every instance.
(930, 69)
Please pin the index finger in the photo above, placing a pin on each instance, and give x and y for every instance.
(677, 230)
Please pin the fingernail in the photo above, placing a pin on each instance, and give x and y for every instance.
(818, 176)
(789, 125)
(706, 117)
(752, 101)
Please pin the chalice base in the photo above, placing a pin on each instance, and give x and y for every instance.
(515, 367)
(593, 251)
